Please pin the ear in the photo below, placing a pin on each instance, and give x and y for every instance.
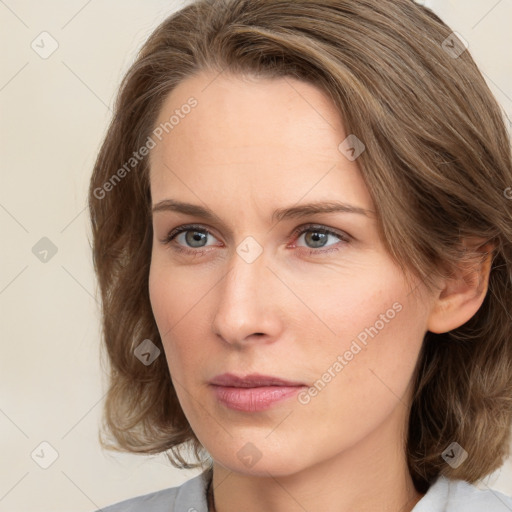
(462, 294)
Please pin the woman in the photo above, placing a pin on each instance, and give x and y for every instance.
(303, 240)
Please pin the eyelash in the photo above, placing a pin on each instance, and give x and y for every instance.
(296, 233)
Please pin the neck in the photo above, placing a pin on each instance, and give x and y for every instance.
(368, 477)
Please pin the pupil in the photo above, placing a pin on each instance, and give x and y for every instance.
(195, 236)
(317, 236)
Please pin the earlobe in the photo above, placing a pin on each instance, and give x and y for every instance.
(462, 294)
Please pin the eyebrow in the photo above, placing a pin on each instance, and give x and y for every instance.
(292, 212)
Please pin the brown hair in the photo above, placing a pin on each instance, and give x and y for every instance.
(437, 164)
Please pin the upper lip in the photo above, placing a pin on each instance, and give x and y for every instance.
(251, 381)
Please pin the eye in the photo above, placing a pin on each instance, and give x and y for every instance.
(191, 239)
(188, 238)
(317, 237)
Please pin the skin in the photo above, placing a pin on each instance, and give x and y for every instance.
(252, 146)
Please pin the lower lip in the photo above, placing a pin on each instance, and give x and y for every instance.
(254, 399)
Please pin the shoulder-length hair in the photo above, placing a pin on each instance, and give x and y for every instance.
(437, 165)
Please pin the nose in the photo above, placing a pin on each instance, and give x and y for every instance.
(248, 307)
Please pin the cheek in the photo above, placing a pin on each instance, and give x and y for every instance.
(168, 308)
(365, 362)
(372, 360)
(178, 307)
(162, 302)
(174, 292)
(363, 304)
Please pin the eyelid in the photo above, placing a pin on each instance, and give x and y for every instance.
(296, 232)
(187, 227)
(321, 227)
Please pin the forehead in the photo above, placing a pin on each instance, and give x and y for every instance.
(252, 102)
(253, 134)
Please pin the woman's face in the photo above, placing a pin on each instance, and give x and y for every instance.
(263, 284)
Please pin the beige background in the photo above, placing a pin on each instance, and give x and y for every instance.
(54, 112)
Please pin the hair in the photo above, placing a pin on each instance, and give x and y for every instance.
(437, 164)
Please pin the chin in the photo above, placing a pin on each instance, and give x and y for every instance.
(261, 469)
(251, 461)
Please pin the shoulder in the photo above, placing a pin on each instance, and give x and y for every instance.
(188, 497)
(460, 496)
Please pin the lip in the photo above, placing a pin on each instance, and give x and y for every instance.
(253, 393)
(251, 381)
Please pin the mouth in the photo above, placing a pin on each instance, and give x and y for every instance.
(253, 393)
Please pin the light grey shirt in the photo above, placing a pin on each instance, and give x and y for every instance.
(444, 495)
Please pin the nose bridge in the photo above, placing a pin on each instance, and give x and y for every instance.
(244, 304)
